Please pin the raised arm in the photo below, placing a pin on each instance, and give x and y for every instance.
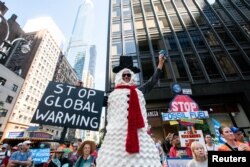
(149, 85)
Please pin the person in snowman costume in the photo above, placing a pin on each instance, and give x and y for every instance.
(127, 143)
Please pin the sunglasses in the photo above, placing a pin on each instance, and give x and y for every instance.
(124, 75)
(27, 144)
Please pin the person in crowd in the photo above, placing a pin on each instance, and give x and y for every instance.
(58, 160)
(210, 146)
(166, 145)
(159, 148)
(231, 144)
(5, 152)
(85, 158)
(73, 156)
(176, 151)
(238, 134)
(4, 155)
(199, 155)
(67, 150)
(23, 157)
(79, 142)
(20, 145)
(127, 119)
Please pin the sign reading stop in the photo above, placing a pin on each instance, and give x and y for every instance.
(183, 103)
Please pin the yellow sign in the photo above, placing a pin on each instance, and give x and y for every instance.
(173, 122)
(197, 121)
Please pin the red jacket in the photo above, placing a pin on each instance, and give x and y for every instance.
(186, 151)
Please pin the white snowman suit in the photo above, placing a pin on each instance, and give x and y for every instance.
(113, 151)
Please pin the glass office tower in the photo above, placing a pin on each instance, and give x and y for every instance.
(78, 48)
(209, 49)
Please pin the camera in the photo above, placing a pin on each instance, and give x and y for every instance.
(164, 53)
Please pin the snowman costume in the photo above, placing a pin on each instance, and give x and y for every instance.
(127, 143)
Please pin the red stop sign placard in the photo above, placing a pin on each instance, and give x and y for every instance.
(183, 103)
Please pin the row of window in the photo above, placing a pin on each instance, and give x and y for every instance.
(3, 81)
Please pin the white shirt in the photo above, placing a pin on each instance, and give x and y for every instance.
(194, 163)
(212, 148)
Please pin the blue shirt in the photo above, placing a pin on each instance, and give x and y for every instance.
(21, 156)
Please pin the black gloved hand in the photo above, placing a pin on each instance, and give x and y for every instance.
(105, 101)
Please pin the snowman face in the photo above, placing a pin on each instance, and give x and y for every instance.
(125, 77)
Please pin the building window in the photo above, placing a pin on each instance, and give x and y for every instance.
(9, 99)
(116, 28)
(179, 68)
(209, 65)
(15, 87)
(116, 12)
(117, 48)
(130, 47)
(225, 63)
(184, 41)
(194, 67)
(126, 12)
(27, 98)
(2, 81)
(3, 113)
(127, 26)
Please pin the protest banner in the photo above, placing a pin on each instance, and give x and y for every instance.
(40, 155)
(186, 138)
(182, 109)
(70, 106)
(185, 115)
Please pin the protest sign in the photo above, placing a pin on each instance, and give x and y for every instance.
(186, 138)
(183, 108)
(70, 106)
(40, 155)
(184, 116)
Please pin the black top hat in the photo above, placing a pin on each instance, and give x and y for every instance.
(126, 62)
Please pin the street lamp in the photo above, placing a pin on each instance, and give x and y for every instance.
(6, 44)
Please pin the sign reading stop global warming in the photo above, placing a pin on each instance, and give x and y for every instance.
(183, 107)
(70, 106)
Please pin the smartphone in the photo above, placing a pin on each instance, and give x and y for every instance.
(164, 53)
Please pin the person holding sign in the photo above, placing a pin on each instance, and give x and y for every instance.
(176, 151)
(127, 142)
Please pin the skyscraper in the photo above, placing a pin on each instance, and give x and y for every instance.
(209, 48)
(37, 68)
(81, 53)
(80, 40)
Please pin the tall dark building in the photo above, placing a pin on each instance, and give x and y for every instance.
(209, 49)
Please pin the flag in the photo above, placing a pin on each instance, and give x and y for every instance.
(217, 125)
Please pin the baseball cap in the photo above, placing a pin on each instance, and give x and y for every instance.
(235, 129)
(27, 142)
(20, 144)
(5, 145)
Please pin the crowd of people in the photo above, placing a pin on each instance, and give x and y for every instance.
(77, 154)
(84, 154)
(127, 142)
(234, 141)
